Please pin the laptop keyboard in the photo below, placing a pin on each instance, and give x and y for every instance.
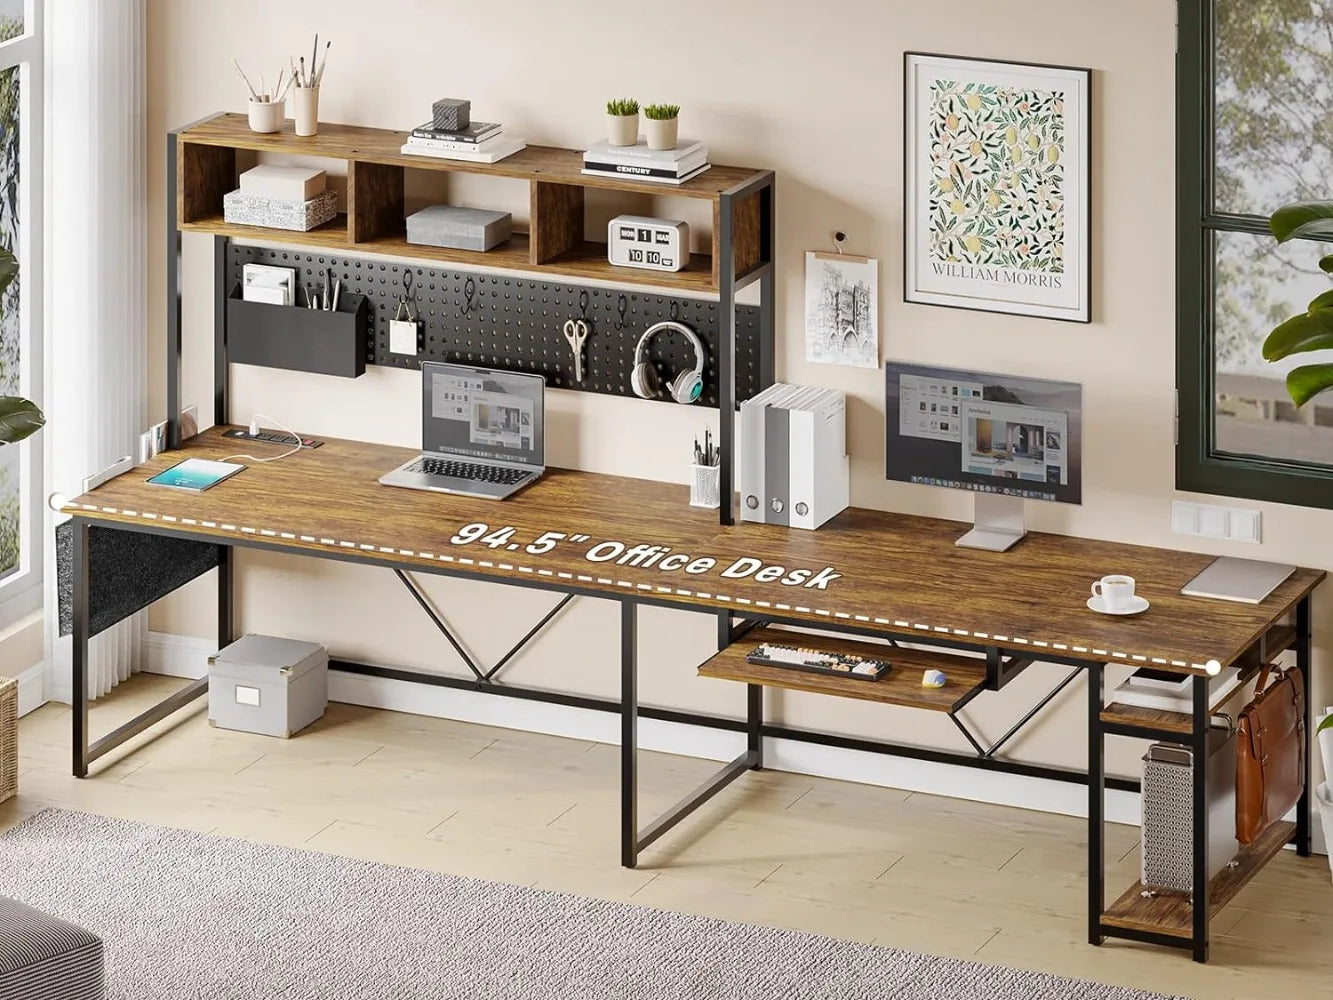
(468, 470)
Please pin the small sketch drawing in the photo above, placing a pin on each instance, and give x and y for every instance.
(841, 309)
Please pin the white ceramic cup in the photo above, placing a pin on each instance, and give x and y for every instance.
(1116, 592)
(266, 116)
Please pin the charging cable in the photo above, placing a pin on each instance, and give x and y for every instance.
(254, 431)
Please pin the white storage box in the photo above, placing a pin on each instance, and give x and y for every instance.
(270, 686)
(242, 209)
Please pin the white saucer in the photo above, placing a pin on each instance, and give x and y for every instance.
(1136, 605)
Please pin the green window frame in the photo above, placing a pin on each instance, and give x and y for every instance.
(1200, 467)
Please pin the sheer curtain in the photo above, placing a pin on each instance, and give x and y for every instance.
(96, 275)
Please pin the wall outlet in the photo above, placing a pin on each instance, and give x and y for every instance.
(1237, 524)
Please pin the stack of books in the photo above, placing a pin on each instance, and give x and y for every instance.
(479, 142)
(660, 166)
(281, 197)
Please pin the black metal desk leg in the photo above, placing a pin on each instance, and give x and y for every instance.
(226, 604)
(754, 724)
(1096, 806)
(1302, 839)
(1199, 746)
(79, 661)
(629, 734)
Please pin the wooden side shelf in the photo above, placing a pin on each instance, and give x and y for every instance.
(207, 168)
(901, 686)
(1170, 912)
(1276, 640)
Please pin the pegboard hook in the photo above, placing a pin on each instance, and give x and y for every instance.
(469, 290)
(674, 312)
(583, 304)
(622, 307)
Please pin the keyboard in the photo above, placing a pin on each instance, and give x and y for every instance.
(469, 470)
(819, 662)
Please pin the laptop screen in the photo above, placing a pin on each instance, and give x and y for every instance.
(482, 413)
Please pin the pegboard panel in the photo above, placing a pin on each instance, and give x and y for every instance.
(516, 324)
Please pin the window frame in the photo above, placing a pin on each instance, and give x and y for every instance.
(22, 593)
(1199, 468)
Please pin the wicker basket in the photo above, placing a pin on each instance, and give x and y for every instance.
(9, 738)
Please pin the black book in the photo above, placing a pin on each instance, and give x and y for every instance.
(633, 170)
(476, 132)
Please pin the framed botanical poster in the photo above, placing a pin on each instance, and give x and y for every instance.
(997, 215)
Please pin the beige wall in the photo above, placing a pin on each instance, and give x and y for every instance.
(813, 90)
(21, 645)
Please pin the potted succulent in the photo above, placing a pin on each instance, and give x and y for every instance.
(19, 417)
(622, 121)
(663, 122)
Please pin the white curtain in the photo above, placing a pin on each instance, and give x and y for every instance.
(97, 277)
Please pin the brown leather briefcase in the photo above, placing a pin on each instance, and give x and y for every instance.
(1270, 753)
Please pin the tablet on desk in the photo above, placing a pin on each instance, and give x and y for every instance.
(196, 474)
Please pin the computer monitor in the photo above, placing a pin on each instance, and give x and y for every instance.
(1007, 438)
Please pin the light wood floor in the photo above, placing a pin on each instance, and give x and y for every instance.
(999, 885)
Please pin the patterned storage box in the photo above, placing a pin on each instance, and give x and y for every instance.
(9, 738)
(277, 213)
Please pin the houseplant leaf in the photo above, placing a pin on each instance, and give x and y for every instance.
(1308, 219)
(1326, 724)
(1326, 264)
(19, 417)
(1307, 331)
(9, 268)
(1308, 381)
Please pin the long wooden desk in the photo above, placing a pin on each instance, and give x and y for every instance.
(866, 573)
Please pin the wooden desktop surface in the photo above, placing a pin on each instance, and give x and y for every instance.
(895, 573)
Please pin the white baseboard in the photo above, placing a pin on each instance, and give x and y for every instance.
(32, 689)
(187, 657)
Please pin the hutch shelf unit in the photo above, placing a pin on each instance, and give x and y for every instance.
(204, 161)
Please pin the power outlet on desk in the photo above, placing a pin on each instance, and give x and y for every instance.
(271, 437)
(1210, 521)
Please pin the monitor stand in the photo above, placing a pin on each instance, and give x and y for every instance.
(997, 523)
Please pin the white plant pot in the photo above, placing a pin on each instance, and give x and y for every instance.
(305, 101)
(1324, 796)
(622, 130)
(662, 134)
(266, 116)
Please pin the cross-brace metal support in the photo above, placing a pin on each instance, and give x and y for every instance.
(483, 676)
(995, 747)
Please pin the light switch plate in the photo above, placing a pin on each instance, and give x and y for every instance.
(1238, 524)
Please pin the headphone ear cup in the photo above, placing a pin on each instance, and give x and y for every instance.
(643, 380)
(687, 387)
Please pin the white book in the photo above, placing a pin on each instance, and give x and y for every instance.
(605, 151)
(1183, 702)
(269, 180)
(507, 147)
(646, 168)
(484, 146)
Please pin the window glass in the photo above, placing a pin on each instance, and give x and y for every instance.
(1258, 284)
(1273, 103)
(13, 494)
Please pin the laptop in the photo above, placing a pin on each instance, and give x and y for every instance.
(481, 433)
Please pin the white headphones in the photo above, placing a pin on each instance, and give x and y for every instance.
(686, 387)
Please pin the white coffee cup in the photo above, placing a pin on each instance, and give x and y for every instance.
(1116, 591)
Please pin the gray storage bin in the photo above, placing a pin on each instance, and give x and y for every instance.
(266, 685)
(459, 228)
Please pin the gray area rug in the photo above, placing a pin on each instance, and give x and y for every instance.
(189, 915)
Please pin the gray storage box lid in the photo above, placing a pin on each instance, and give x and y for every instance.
(255, 654)
(451, 220)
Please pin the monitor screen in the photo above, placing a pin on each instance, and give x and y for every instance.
(481, 413)
(1020, 437)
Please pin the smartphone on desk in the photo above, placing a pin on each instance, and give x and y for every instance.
(196, 474)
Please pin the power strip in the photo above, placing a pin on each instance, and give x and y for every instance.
(271, 437)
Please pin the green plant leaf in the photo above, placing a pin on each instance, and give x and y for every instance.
(9, 268)
(1326, 724)
(1307, 331)
(1308, 381)
(1326, 264)
(19, 417)
(1309, 219)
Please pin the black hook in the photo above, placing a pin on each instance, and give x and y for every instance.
(583, 304)
(469, 290)
(674, 312)
(622, 307)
